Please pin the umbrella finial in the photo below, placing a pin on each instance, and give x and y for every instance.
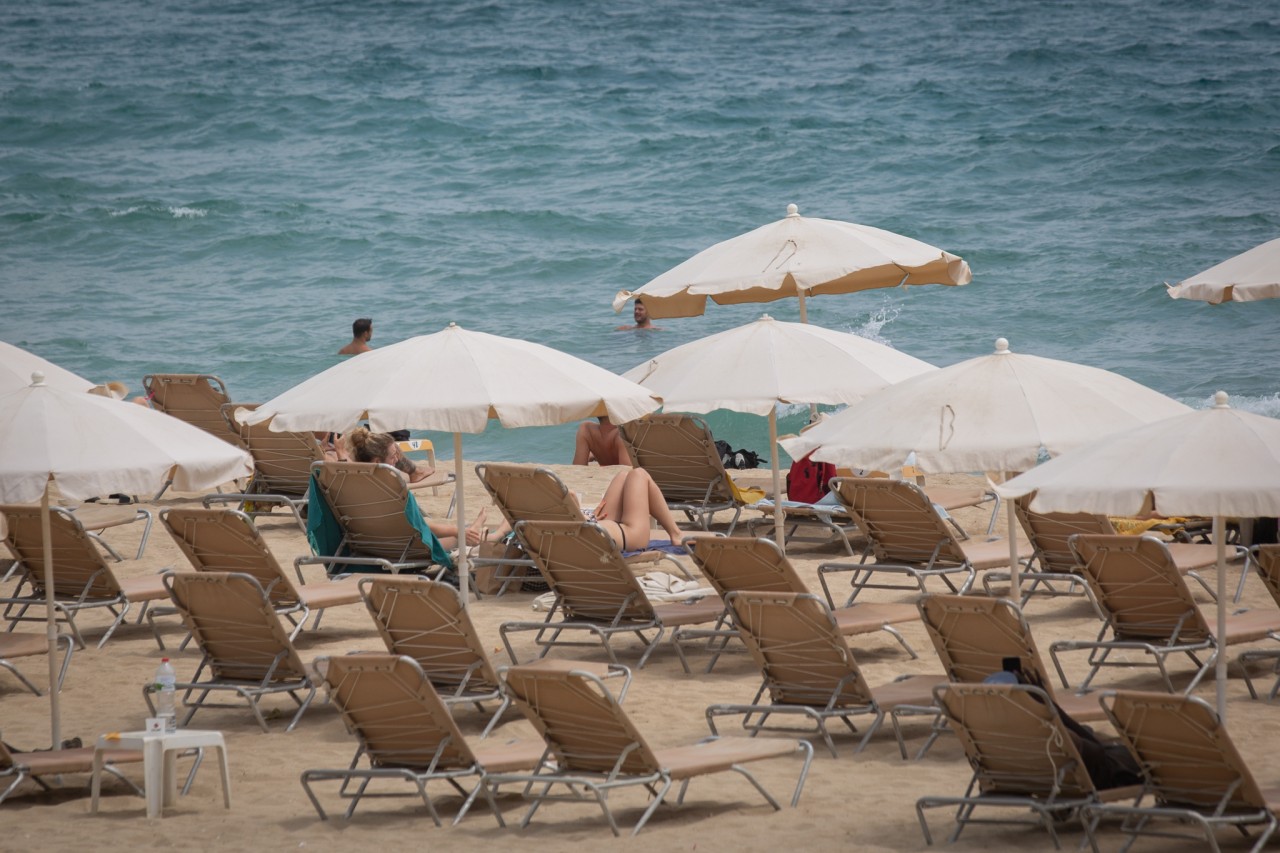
(1002, 346)
(1220, 400)
(37, 377)
(765, 317)
(792, 210)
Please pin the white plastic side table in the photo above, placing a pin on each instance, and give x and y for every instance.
(160, 754)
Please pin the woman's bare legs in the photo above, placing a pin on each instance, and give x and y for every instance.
(630, 501)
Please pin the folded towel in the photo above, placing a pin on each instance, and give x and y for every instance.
(657, 586)
(666, 546)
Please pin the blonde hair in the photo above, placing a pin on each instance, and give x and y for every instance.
(365, 446)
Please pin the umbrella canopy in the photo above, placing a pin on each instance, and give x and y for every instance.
(1248, 277)
(94, 445)
(455, 381)
(755, 367)
(17, 365)
(992, 413)
(1217, 462)
(796, 256)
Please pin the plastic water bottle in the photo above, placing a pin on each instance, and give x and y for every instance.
(163, 687)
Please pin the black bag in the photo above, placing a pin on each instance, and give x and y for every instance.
(731, 458)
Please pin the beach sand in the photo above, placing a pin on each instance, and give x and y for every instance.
(863, 801)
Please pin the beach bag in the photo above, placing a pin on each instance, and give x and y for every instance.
(808, 481)
(731, 458)
(488, 580)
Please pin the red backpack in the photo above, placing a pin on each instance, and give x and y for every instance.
(809, 481)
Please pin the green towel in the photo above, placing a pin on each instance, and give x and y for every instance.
(325, 534)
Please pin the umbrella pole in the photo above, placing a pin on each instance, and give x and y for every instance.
(1220, 663)
(51, 626)
(778, 527)
(804, 314)
(464, 570)
(1015, 582)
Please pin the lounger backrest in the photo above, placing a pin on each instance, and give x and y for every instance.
(899, 520)
(973, 635)
(680, 455)
(78, 566)
(368, 500)
(426, 621)
(800, 651)
(281, 460)
(741, 564)
(235, 626)
(584, 568)
(1268, 560)
(1137, 584)
(226, 540)
(528, 493)
(1014, 740)
(586, 728)
(389, 704)
(1048, 533)
(1184, 751)
(196, 398)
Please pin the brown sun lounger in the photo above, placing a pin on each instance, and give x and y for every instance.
(406, 733)
(1267, 559)
(82, 577)
(17, 767)
(909, 537)
(1149, 610)
(809, 670)
(226, 540)
(596, 592)
(740, 564)
(196, 398)
(246, 650)
(1022, 756)
(534, 493)
(594, 745)
(680, 455)
(1193, 774)
(21, 645)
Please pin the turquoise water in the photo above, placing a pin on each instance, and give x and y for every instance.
(222, 187)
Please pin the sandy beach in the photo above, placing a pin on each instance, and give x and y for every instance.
(863, 802)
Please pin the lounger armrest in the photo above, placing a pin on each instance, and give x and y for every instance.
(825, 569)
(386, 565)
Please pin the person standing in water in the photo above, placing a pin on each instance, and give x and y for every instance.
(361, 334)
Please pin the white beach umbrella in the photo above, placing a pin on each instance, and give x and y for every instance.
(17, 365)
(1218, 462)
(1248, 277)
(997, 412)
(455, 381)
(796, 256)
(754, 367)
(92, 445)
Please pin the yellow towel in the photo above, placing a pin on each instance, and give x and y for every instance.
(745, 494)
(1138, 526)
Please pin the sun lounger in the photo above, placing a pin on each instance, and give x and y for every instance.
(1193, 773)
(363, 514)
(975, 635)
(1149, 609)
(533, 493)
(1053, 561)
(17, 767)
(406, 733)
(98, 517)
(196, 398)
(680, 454)
(596, 592)
(21, 645)
(809, 669)
(82, 577)
(246, 650)
(908, 537)
(281, 467)
(594, 745)
(739, 564)
(426, 621)
(1267, 559)
(226, 540)
(1022, 755)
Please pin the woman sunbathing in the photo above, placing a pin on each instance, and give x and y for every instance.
(366, 446)
(631, 499)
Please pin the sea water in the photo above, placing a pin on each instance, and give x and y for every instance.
(222, 187)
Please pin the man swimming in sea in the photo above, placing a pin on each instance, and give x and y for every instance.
(641, 315)
(361, 334)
